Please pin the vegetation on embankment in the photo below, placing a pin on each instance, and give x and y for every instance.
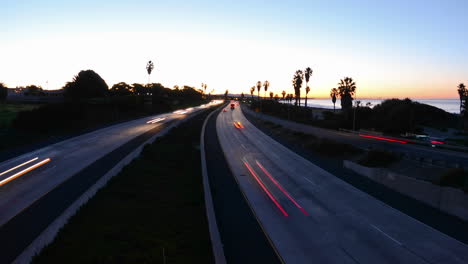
(90, 104)
(392, 116)
(151, 212)
(454, 177)
(313, 143)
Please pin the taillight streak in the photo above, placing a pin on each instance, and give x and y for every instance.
(265, 189)
(281, 188)
(383, 138)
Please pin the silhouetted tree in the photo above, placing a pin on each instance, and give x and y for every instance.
(3, 92)
(266, 84)
(283, 93)
(252, 90)
(140, 89)
(87, 84)
(226, 95)
(307, 74)
(259, 86)
(462, 93)
(242, 96)
(271, 95)
(121, 89)
(334, 94)
(346, 90)
(149, 69)
(276, 97)
(33, 90)
(297, 84)
(176, 87)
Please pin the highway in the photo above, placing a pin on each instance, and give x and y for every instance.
(449, 156)
(37, 186)
(311, 216)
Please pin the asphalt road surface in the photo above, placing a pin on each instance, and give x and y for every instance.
(313, 216)
(36, 187)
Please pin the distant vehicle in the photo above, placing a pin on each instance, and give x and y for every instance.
(224, 110)
(233, 106)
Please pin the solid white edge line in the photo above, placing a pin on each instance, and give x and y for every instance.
(217, 245)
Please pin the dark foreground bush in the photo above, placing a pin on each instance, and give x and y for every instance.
(378, 158)
(455, 177)
(332, 148)
(151, 212)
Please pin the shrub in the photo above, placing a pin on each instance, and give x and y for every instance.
(333, 148)
(378, 158)
(454, 177)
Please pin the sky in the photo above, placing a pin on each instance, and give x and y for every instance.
(399, 48)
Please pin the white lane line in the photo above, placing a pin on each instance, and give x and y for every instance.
(310, 181)
(28, 169)
(244, 147)
(394, 240)
(22, 164)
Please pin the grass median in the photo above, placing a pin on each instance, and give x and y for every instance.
(151, 212)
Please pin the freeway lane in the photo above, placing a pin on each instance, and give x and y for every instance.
(311, 215)
(31, 202)
(66, 159)
(451, 157)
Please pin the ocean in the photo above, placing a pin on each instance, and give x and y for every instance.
(449, 105)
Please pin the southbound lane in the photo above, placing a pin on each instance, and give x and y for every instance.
(29, 203)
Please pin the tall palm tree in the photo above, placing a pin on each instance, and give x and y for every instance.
(266, 84)
(297, 84)
(149, 69)
(271, 96)
(346, 90)
(307, 74)
(252, 90)
(334, 94)
(462, 93)
(283, 93)
(259, 86)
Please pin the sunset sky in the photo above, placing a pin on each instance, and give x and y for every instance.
(414, 48)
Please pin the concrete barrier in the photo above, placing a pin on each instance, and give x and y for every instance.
(447, 199)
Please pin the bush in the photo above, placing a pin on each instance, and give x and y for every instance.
(378, 158)
(333, 148)
(455, 177)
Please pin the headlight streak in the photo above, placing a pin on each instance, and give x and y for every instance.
(18, 174)
(156, 120)
(22, 164)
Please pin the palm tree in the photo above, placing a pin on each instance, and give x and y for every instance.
(462, 93)
(297, 84)
(333, 94)
(149, 69)
(307, 74)
(259, 86)
(346, 90)
(283, 93)
(271, 96)
(252, 90)
(266, 84)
